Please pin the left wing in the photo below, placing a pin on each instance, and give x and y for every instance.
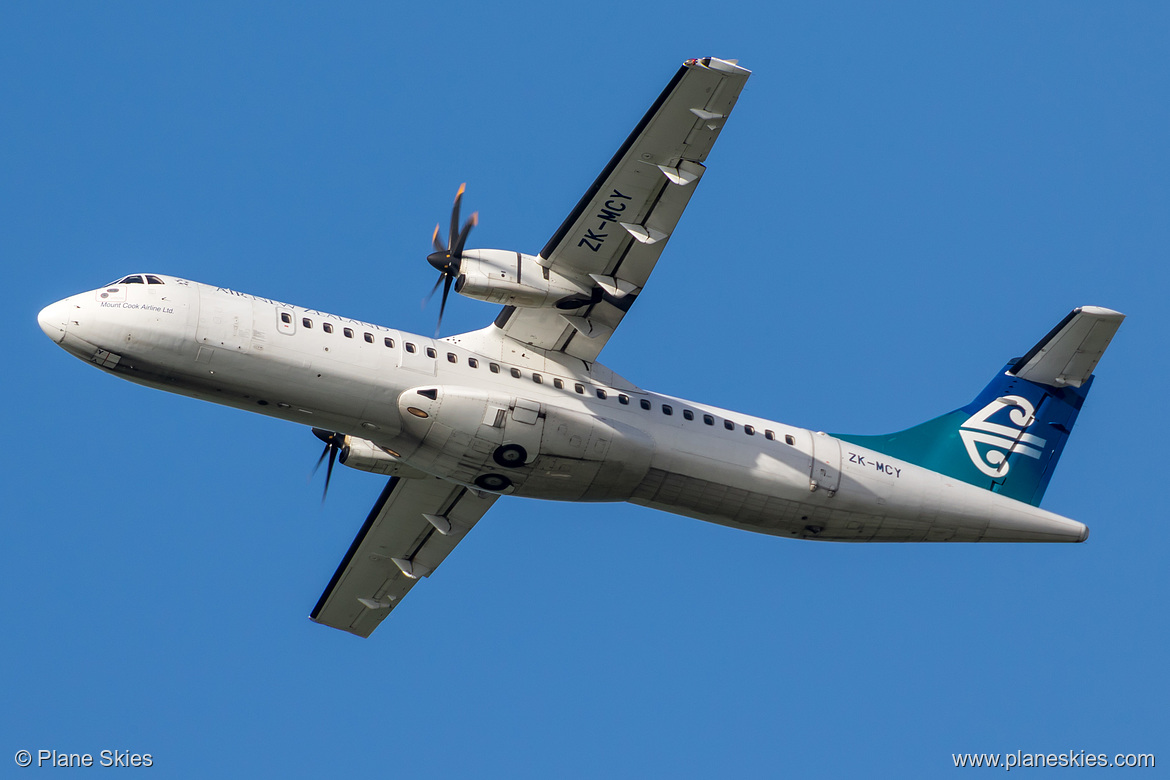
(611, 241)
(408, 533)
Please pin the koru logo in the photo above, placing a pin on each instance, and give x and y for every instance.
(1002, 439)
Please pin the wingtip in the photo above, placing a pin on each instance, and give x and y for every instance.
(715, 63)
(1101, 311)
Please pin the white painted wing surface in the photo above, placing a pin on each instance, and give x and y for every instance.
(613, 238)
(1068, 355)
(409, 532)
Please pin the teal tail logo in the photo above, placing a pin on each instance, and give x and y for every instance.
(1001, 441)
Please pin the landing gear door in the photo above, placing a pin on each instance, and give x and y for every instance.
(826, 463)
(525, 426)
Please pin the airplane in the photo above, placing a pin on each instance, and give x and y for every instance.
(523, 407)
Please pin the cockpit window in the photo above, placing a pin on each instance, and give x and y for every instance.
(152, 279)
(136, 279)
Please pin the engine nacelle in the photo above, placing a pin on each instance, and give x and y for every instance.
(513, 279)
(364, 455)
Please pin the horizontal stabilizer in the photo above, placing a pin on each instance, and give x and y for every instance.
(1068, 355)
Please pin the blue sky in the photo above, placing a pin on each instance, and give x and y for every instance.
(904, 198)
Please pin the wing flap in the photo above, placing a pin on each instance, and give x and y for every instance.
(401, 541)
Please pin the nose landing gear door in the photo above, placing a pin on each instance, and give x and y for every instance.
(524, 427)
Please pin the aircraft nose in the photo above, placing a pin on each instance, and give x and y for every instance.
(53, 319)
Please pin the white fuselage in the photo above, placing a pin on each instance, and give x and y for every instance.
(588, 434)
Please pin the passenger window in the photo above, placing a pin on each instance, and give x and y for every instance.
(495, 367)
(688, 414)
(389, 342)
(472, 362)
(515, 372)
(286, 318)
(348, 332)
(369, 337)
(153, 279)
(306, 322)
(788, 439)
(623, 399)
(410, 347)
(708, 419)
(538, 379)
(769, 435)
(644, 404)
(451, 358)
(601, 394)
(327, 327)
(431, 352)
(729, 425)
(749, 430)
(559, 384)
(667, 410)
(580, 388)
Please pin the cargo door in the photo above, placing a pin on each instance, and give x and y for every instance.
(224, 320)
(826, 463)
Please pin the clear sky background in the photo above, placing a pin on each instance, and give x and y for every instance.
(904, 198)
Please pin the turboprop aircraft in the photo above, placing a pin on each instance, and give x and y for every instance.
(523, 407)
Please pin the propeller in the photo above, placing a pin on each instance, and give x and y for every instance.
(333, 444)
(447, 260)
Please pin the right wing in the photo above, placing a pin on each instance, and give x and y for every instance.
(408, 533)
(612, 239)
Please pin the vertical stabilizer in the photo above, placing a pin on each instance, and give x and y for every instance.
(1009, 439)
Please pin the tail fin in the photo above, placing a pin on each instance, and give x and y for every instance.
(1010, 437)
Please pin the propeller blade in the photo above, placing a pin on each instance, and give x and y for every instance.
(329, 472)
(431, 294)
(455, 217)
(446, 289)
(334, 441)
(320, 460)
(457, 252)
(449, 260)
